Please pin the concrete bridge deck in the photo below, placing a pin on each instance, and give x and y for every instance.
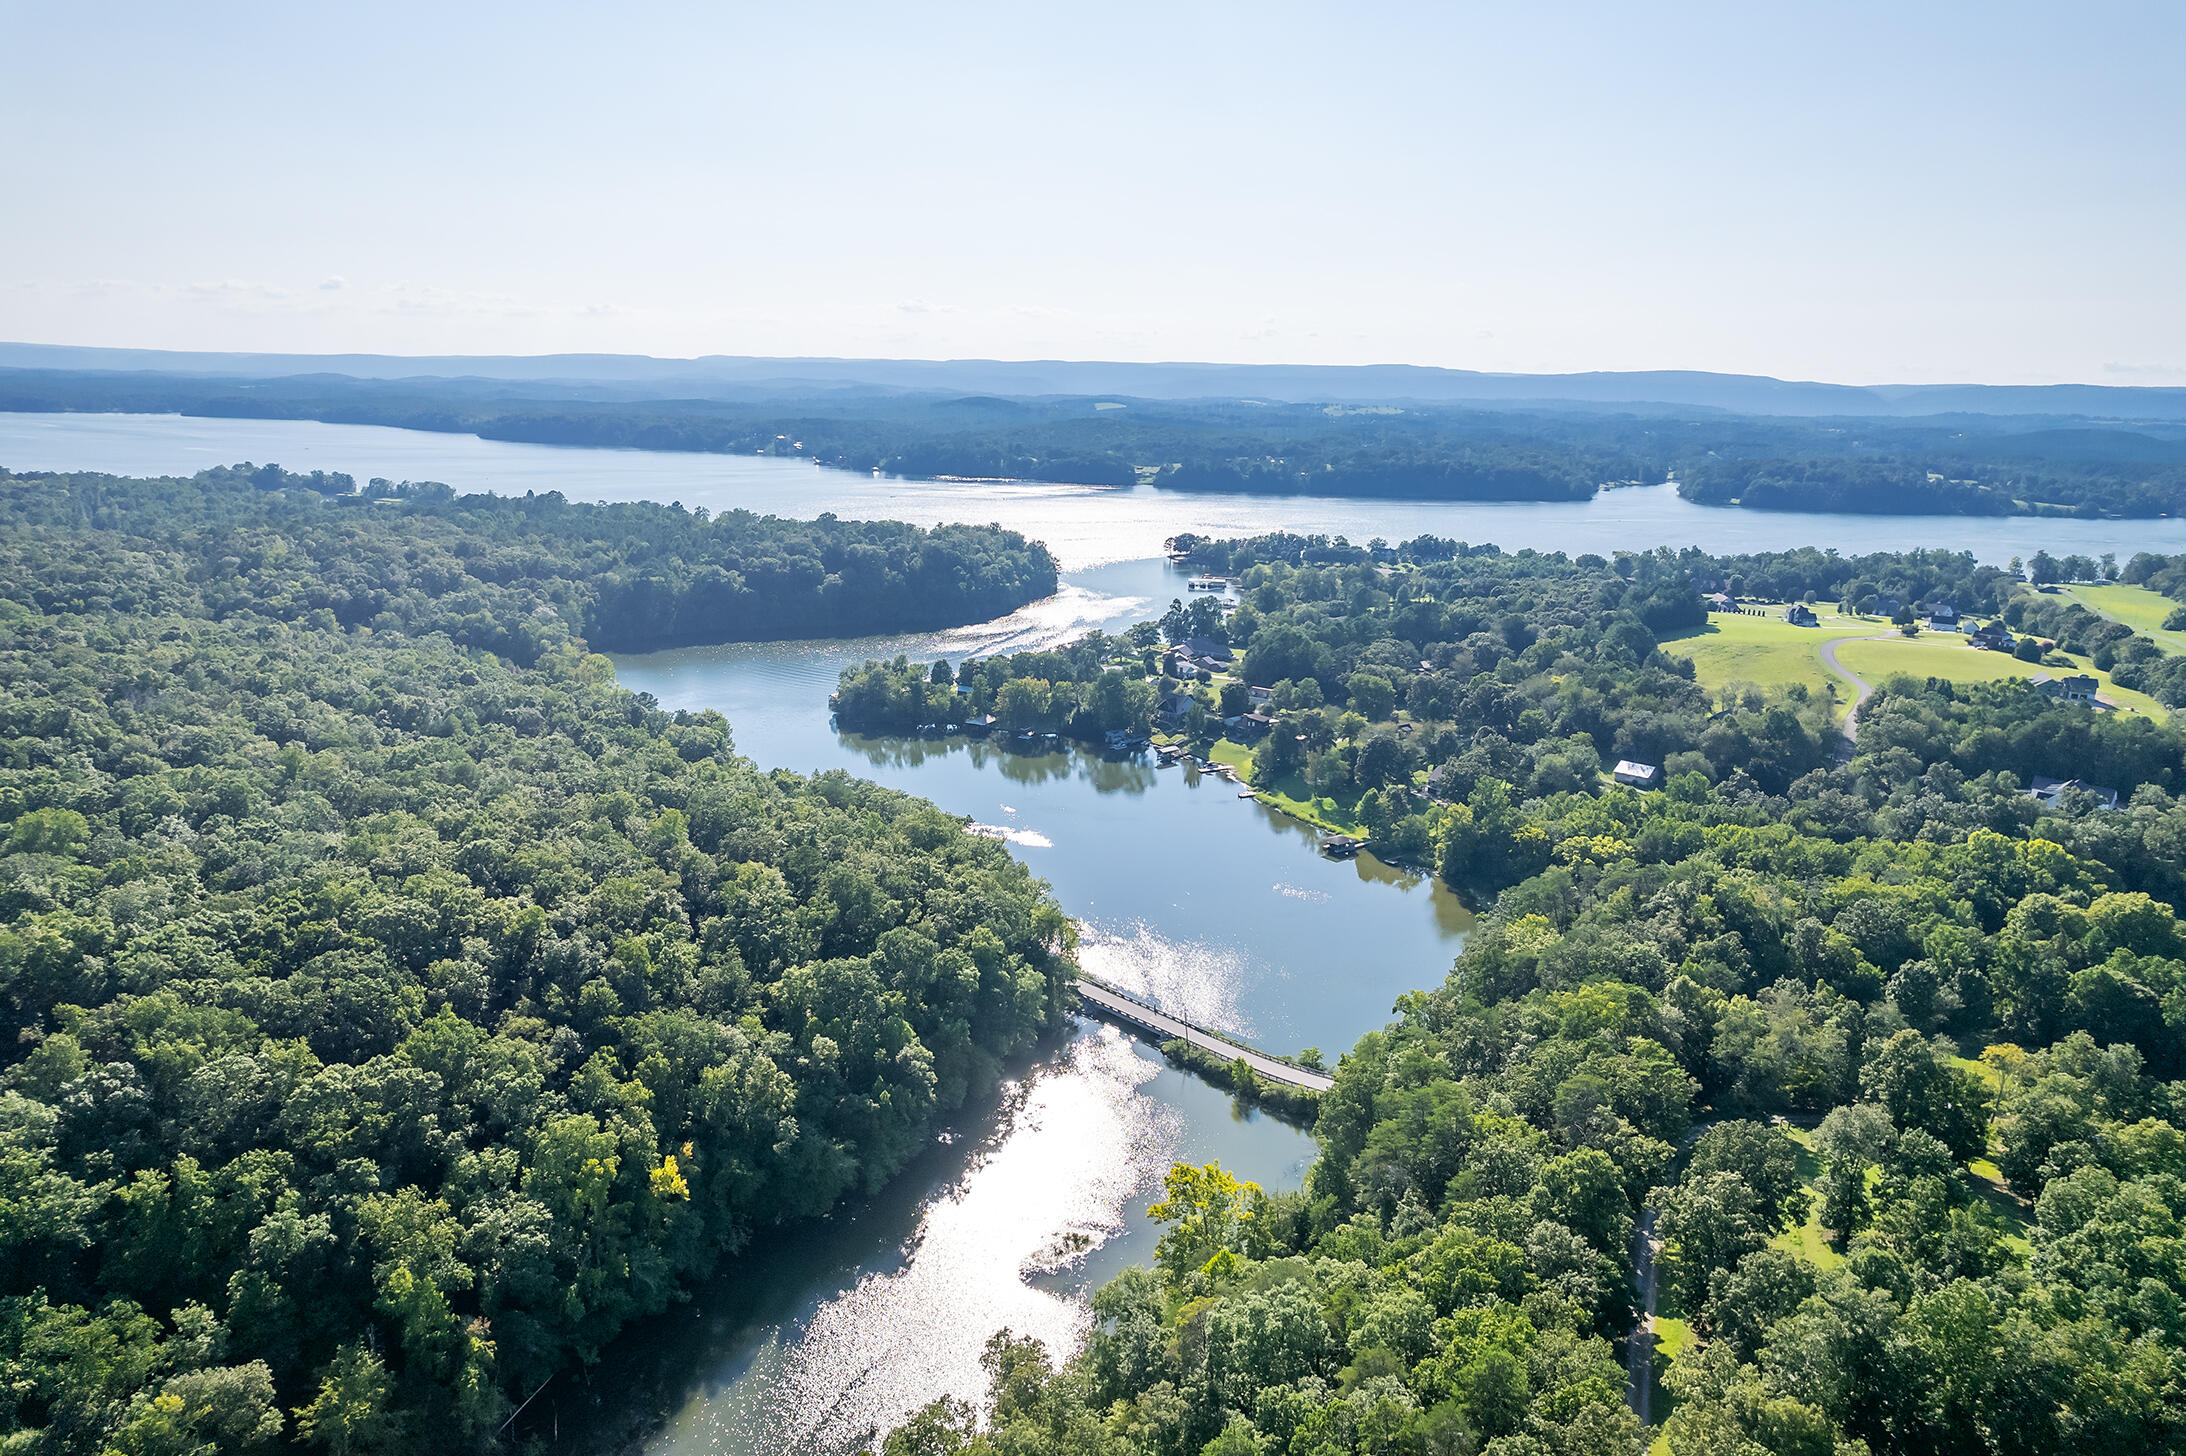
(1114, 1005)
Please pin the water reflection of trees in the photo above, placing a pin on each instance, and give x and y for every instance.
(1108, 773)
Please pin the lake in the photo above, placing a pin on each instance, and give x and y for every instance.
(1210, 904)
(1084, 525)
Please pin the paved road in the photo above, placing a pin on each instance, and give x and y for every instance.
(1639, 1347)
(1639, 1350)
(1104, 1001)
(1861, 688)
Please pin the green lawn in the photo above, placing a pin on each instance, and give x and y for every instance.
(1767, 651)
(1289, 793)
(1673, 1337)
(1806, 1238)
(1935, 654)
(2135, 606)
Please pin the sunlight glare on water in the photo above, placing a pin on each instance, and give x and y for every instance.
(1193, 979)
(1077, 1148)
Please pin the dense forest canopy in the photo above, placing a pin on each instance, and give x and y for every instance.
(1891, 1054)
(499, 571)
(397, 1007)
(1405, 449)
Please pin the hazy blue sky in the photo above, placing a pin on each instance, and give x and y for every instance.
(1915, 192)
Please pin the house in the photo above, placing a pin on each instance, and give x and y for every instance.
(2047, 791)
(1638, 775)
(979, 724)
(1253, 725)
(1187, 665)
(1176, 707)
(1799, 614)
(1720, 602)
(2076, 687)
(1943, 617)
(1261, 697)
(1206, 649)
(1888, 606)
(1995, 637)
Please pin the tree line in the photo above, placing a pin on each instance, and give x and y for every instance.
(492, 570)
(1961, 464)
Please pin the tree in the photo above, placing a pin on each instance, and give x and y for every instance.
(1372, 695)
(1205, 1206)
(1920, 1090)
(350, 1415)
(1764, 1157)
(2043, 569)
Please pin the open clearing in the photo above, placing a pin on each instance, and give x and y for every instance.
(2135, 606)
(1948, 657)
(1767, 651)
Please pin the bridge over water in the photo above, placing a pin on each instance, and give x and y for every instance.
(1106, 1001)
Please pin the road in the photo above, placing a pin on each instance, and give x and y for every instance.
(1862, 689)
(1113, 1004)
(1639, 1347)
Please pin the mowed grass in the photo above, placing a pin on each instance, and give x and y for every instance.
(2135, 606)
(1290, 793)
(1673, 1338)
(1807, 1238)
(1935, 654)
(1767, 651)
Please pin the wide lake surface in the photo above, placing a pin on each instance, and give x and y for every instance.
(1212, 905)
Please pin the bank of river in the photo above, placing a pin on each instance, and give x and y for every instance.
(1214, 906)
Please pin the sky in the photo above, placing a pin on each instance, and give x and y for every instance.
(1890, 193)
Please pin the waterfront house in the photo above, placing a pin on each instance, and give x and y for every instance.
(1176, 706)
(979, 724)
(1206, 649)
(1637, 775)
(1252, 725)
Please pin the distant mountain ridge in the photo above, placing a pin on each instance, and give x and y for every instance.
(646, 376)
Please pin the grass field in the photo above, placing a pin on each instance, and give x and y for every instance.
(1767, 651)
(1937, 655)
(1289, 793)
(2135, 606)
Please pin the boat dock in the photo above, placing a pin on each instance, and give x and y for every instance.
(1114, 1005)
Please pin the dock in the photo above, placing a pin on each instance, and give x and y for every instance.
(1113, 1005)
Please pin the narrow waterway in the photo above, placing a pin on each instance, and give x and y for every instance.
(1211, 905)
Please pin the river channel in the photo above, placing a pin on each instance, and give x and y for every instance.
(1217, 908)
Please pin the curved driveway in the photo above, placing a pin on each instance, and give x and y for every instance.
(1862, 689)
